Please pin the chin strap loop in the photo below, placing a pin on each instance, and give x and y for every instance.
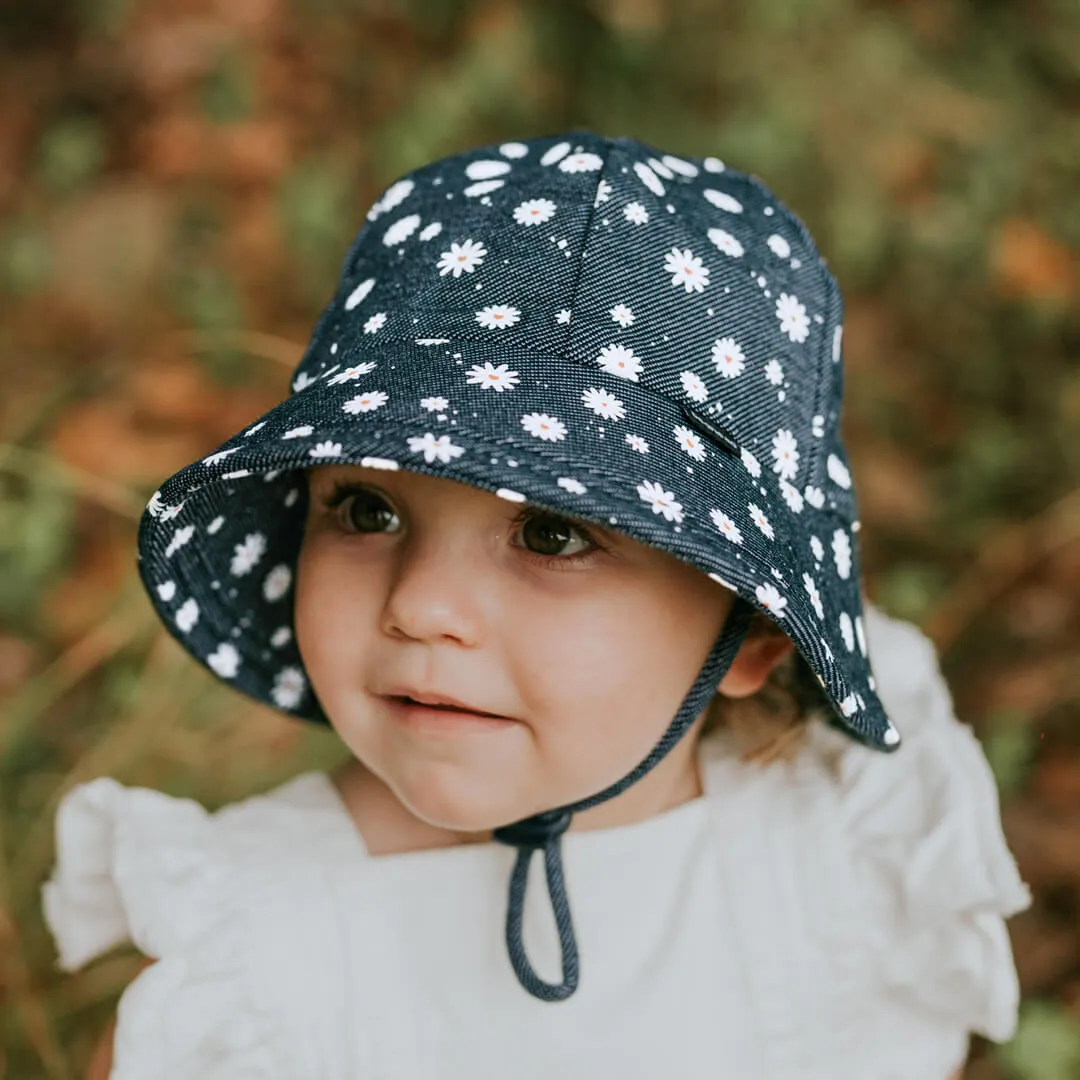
(543, 831)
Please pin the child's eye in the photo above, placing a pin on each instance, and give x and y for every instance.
(549, 535)
(365, 511)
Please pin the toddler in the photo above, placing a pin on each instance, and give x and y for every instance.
(557, 531)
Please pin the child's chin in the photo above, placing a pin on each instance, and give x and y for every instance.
(459, 806)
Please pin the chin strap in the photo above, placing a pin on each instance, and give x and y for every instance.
(543, 831)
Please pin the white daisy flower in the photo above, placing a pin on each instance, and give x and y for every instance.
(792, 316)
(395, 195)
(359, 293)
(723, 201)
(434, 404)
(686, 269)
(726, 526)
(376, 322)
(604, 404)
(838, 471)
(694, 386)
(635, 213)
(575, 163)
(785, 454)
(841, 547)
(351, 374)
(544, 427)
(225, 660)
(276, 583)
(288, 688)
(649, 178)
(603, 193)
(779, 246)
(621, 314)
(562, 317)
(817, 548)
(169, 512)
(180, 537)
(757, 515)
(484, 187)
(683, 168)
(849, 706)
(774, 372)
(555, 153)
(302, 382)
(485, 170)
(814, 496)
(280, 637)
(771, 599)
(661, 501)
(461, 258)
(369, 402)
(325, 450)
(575, 487)
(847, 631)
(429, 232)
(534, 211)
(728, 357)
(621, 361)
(791, 496)
(815, 597)
(753, 466)
(401, 230)
(497, 315)
(246, 555)
(497, 378)
(187, 615)
(636, 442)
(298, 432)
(221, 455)
(690, 442)
(727, 243)
(435, 449)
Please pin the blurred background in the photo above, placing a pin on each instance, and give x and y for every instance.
(179, 181)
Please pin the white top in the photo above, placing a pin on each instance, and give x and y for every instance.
(840, 916)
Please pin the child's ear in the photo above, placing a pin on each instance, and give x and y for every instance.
(757, 657)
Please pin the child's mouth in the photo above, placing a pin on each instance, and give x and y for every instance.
(419, 714)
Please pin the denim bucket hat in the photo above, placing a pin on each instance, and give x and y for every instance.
(591, 325)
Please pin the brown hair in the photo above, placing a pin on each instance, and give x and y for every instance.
(771, 724)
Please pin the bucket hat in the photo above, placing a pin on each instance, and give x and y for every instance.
(591, 325)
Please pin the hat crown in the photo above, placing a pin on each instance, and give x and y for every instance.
(745, 331)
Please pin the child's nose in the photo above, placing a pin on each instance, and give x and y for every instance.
(437, 593)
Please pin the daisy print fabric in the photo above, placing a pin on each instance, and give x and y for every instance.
(595, 326)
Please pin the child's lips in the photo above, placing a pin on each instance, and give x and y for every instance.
(434, 710)
(443, 717)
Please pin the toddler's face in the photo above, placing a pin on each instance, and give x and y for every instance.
(586, 639)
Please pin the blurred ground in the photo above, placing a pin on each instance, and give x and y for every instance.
(178, 183)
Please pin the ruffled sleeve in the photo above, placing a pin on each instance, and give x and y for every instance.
(924, 823)
(137, 865)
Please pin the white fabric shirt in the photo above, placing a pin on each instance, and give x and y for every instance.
(837, 917)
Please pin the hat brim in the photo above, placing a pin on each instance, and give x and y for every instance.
(219, 541)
